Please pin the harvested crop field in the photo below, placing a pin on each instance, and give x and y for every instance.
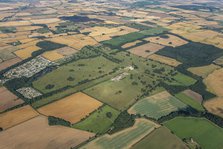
(125, 138)
(203, 71)
(199, 129)
(8, 99)
(219, 61)
(26, 52)
(194, 32)
(29, 44)
(9, 63)
(27, 28)
(159, 139)
(45, 21)
(7, 52)
(17, 116)
(26, 40)
(214, 82)
(131, 44)
(66, 51)
(72, 108)
(167, 40)
(157, 105)
(15, 23)
(146, 49)
(215, 106)
(52, 55)
(197, 97)
(165, 60)
(104, 33)
(76, 41)
(36, 133)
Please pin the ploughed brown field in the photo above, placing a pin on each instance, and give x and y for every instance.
(14, 117)
(193, 95)
(37, 134)
(9, 63)
(146, 49)
(8, 99)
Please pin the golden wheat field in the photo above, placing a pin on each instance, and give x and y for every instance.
(72, 108)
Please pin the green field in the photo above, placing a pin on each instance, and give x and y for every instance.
(91, 71)
(61, 94)
(183, 80)
(47, 46)
(119, 41)
(118, 94)
(74, 73)
(161, 138)
(153, 31)
(189, 101)
(124, 138)
(158, 105)
(138, 83)
(7, 29)
(204, 132)
(64, 80)
(99, 121)
(192, 54)
(156, 70)
(43, 30)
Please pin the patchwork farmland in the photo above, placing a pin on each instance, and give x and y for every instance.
(199, 129)
(125, 138)
(105, 74)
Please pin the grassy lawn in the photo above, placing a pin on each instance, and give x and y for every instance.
(189, 101)
(160, 138)
(183, 80)
(99, 121)
(74, 73)
(118, 94)
(204, 132)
